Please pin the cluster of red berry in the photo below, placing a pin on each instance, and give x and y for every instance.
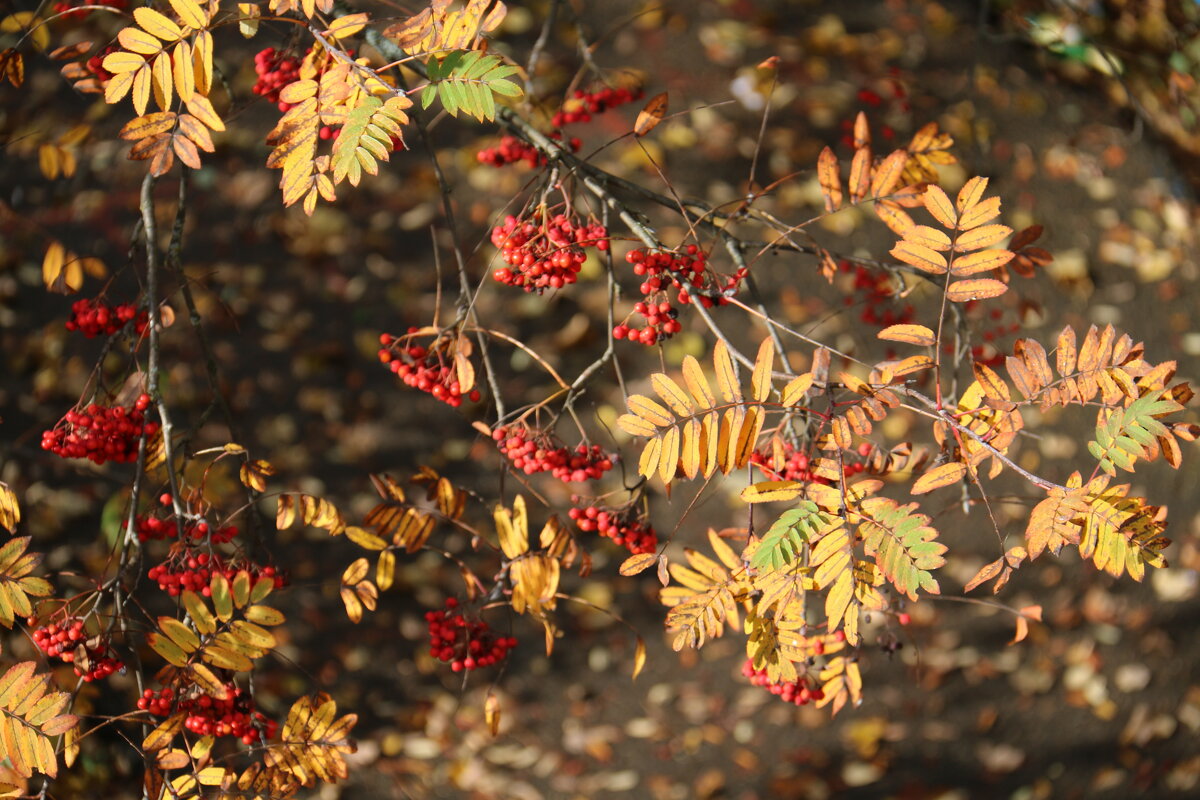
(583, 104)
(183, 571)
(534, 451)
(462, 643)
(622, 526)
(512, 150)
(101, 433)
(63, 640)
(275, 70)
(95, 317)
(798, 692)
(685, 271)
(70, 8)
(430, 369)
(194, 531)
(545, 253)
(207, 716)
(797, 465)
(875, 291)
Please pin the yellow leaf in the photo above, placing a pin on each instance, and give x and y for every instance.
(513, 541)
(157, 24)
(649, 410)
(939, 477)
(639, 657)
(672, 394)
(772, 491)
(347, 26)
(200, 108)
(727, 380)
(491, 712)
(138, 41)
(909, 334)
(10, 510)
(190, 12)
(668, 461)
(648, 462)
(697, 384)
(202, 63)
(120, 62)
(637, 563)
(760, 381)
(183, 72)
(796, 388)
(164, 734)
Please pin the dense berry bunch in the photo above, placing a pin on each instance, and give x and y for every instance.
(664, 270)
(462, 643)
(535, 451)
(101, 433)
(97, 318)
(430, 369)
(622, 526)
(63, 640)
(797, 465)
(582, 105)
(184, 570)
(194, 531)
(512, 150)
(207, 716)
(275, 71)
(798, 692)
(545, 253)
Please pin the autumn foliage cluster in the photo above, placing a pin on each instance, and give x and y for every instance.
(836, 540)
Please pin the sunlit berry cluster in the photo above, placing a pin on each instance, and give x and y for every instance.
(184, 571)
(194, 531)
(464, 644)
(70, 9)
(429, 369)
(583, 104)
(686, 273)
(511, 150)
(62, 640)
(533, 451)
(797, 465)
(207, 716)
(97, 318)
(101, 433)
(801, 691)
(545, 253)
(624, 527)
(275, 70)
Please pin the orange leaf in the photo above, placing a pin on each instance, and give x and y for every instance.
(652, 114)
(921, 257)
(939, 205)
(831, 182)
(975, 289)
(981, 261)
(860, 173)
(939, 477)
